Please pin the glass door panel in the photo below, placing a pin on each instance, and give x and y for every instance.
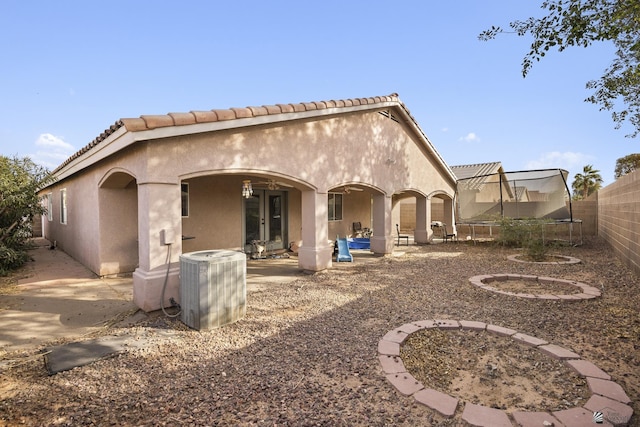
(252, 219)
(275, 221)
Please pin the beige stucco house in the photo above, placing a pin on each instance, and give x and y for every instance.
(151, 188)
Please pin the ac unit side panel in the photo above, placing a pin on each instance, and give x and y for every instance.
(225, 302)
(191, 277)
(213, 291)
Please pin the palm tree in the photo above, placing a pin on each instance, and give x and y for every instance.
(587, 182)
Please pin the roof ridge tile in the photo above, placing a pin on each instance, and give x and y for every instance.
(205, 116)
(225, 114)
(298, 108)
(258, 111)
(157, 120)
(286, 108)
(242, 113)
(181, 119)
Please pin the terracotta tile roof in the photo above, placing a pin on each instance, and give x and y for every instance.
(148, 122)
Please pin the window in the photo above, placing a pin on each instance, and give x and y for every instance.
(184, 187)
(50, 206)
(63, 206)
(335, 207)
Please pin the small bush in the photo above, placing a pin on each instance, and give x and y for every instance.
(11, 259)
(513, 233)
(527, 234)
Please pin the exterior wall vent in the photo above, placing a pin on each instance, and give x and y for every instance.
(213, 288)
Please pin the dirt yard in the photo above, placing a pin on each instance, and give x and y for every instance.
(306, 352)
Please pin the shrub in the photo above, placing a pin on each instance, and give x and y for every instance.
(527, 234)
(20, 180)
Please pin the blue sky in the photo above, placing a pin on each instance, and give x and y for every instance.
(70, 69)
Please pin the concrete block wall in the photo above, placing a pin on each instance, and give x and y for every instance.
(619, 218)
(587, 211)
(408, 214)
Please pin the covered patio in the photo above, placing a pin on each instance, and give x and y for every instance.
(154, 187)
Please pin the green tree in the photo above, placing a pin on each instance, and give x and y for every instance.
(581, 23)
(20, 179)
(586, 183)
(627, 164)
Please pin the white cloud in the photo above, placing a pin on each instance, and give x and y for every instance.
(569, 161)
(471, 137)
(445, 129)
(48, 140)
(555, 159)
(52, 151)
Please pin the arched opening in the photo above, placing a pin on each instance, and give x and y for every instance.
(240, 210)
(443, 222)
(118, 223)
(426, 216)
(350, 210)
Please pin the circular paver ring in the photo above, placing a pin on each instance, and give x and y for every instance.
(607, 397)
(565, 259)
(484, 281)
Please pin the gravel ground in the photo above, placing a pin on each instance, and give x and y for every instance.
(306, 352)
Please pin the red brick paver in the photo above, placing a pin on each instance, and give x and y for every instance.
(587, 369)
(426, 324)
(506, 332)
(481, 416)
(443, 403)
(405, 383)
(577, 417)
(471, 325)
(447, 324)
(534, 419)
(389, 348)
(391, 364)
(615, 412)
(395, 335)
(558, 352)
(608, 389)
(409, 328)
(528, 340)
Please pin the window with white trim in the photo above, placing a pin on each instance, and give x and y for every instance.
(335, 207)
(184, 199)
(63, 206)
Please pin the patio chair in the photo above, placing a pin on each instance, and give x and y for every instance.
(357, 229)
(343, 255)
(401, 236)
(446, 236)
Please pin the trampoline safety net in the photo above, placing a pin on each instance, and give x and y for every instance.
(519, 195)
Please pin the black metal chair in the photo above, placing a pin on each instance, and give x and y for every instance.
(401, 237)
(446, 236)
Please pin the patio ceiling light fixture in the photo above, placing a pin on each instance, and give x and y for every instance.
(247, 190)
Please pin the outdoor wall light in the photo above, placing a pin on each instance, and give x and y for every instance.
(247, 190)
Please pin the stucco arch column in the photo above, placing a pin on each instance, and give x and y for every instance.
(423, 232)
(449, 217)
(159, 235)
(315, 252)
(382, 240)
